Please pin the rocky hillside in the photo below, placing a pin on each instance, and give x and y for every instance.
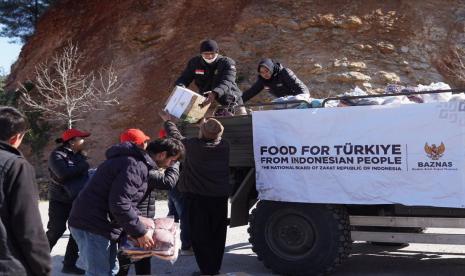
(331, 45)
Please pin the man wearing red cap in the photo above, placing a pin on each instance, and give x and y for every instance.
(107, 205)
(135, 136)
(159, 179)
(68, 169)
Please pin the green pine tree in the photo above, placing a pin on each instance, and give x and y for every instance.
(18, 18)
(38, 134)
(5, 97)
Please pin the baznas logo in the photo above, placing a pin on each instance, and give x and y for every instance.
(435, 152)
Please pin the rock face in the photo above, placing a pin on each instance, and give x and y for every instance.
(331, 45)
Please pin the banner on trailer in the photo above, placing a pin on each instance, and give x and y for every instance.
(407, 154)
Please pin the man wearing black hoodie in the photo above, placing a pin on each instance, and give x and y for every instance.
(108, 205)
(24, 247)
(213, 74)
(277, 80)
(204, 181)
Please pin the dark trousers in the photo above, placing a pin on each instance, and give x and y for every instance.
(58, 214)
(172, 208)
(178, 199)
(142, 266)
(208, 227)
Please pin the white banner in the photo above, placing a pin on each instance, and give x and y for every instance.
(408, 154)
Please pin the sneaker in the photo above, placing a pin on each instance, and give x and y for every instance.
(187, 252)
(72, 269)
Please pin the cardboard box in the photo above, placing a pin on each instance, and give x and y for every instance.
(184, 103)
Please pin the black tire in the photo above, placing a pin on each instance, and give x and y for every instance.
(299, 239)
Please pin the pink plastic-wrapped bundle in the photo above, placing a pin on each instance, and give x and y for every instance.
(164, 235)
(165, 238)
(164, 223)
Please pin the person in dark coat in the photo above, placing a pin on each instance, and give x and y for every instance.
(68, 168)
(213, 74)
(159, 179)
(24, 248)
(177, 209)
(205, 182)
(277, 80)
(108, 205)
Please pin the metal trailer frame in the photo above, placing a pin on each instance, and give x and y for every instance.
(415, 222)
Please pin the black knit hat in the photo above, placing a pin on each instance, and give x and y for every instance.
(209, 46)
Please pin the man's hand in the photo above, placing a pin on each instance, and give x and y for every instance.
(211, 97)
(146, 241)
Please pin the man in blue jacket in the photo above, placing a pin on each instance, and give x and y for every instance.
(108, 205)
(159, 179)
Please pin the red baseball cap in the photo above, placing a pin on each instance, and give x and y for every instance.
(162, 133)
(73, 133)
(133, 135)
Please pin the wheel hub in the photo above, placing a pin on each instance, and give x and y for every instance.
(291, 236)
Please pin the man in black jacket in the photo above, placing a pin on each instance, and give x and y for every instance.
(24, 247)
(277, 80)
(68, 169)
(205, 182)
(213, 74)
(108, 205)
(159, 179)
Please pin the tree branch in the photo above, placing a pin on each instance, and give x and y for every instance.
(62, 92)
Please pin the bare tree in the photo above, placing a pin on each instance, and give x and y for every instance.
(63, 93)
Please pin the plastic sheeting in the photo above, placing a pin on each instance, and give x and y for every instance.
(166, 238)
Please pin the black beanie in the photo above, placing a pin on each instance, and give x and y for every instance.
(267, 63)
(209, 46)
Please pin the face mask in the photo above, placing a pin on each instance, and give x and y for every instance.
(210, 60)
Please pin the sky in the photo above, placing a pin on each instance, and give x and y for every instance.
(8, 54)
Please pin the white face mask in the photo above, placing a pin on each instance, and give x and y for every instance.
(210, 60)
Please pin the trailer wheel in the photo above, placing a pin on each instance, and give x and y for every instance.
(299, 239)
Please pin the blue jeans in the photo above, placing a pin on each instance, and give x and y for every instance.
(97, 253)
(180, 205)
